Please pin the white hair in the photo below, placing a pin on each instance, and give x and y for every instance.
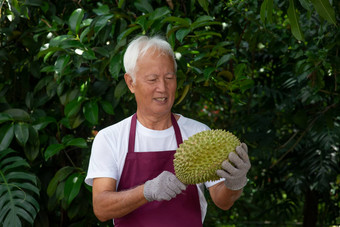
(139, 46)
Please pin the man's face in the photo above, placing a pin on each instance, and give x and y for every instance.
(155, 85)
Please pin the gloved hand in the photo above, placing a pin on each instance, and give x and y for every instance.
(236, 175)
(163, 187)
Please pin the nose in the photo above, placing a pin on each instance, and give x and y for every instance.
(162, 85)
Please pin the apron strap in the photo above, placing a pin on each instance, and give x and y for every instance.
(177, 131)
(132, 137)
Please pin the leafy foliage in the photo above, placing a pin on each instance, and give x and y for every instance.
(17, 190)
(267, 71)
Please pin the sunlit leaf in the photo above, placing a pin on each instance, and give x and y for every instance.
(75, 20)
(184, 94)
(72, 186)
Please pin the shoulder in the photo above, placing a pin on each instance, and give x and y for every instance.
(190, 126)
(188, 122)
(114, 131)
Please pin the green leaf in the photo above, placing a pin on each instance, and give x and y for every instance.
(184, 93)
(294, 21)
(120, 89)
(5, 117)
(196, 25)
(90, 111)
(270, 11)
(266, 11)
(75, 20)
(239, 69)
(15, 189)
(224, 59)
(127, 32)
(115, 66)
(181, 33)
(21, 132)
(61, 64)
(89, 54)
(100, 22)
(102, 10)
(6, 136)
(180, 21)
(77, 142)
(75, 121)
(305, 4)
(72, 186)
(325, 10)
(159, 13)
(32, 147)
(69, 96)
(263, 11)
(143, 6)
(205, 5)
(107, 107)
(207, 72)
(42, 122)
(52, 150)
(60, 175)
(85, 34)
(72, 108)
(18, 114)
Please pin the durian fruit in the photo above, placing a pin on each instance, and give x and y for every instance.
(197, 158)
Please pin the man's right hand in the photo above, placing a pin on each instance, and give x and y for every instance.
(165, 186)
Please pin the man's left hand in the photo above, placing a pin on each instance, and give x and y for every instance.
(235, 170)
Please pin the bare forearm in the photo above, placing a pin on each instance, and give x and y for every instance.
(110, 204)
(223, 197)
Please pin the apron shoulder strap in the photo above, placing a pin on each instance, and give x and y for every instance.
(132, 136)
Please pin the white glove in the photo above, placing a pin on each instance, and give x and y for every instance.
(163, 187)
(235, 171)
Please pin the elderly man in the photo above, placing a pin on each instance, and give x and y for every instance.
(131, 165)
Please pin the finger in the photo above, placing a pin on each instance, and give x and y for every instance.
(176, 184)
(166, 197)
(245, 147)
(182, 186)
(235, 159)
(227, 166)
(177, 188)
(170, 193)
(242, 153)
(222, 173)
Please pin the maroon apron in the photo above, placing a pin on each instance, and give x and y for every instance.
(184, 210)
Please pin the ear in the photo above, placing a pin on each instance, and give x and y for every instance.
(129, 82)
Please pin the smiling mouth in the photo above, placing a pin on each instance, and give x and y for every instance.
(160, 99)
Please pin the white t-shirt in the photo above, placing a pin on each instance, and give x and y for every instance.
(110, 147)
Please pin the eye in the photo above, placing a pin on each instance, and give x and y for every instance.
(170, 76)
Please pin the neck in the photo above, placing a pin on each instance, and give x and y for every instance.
(155, 122)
